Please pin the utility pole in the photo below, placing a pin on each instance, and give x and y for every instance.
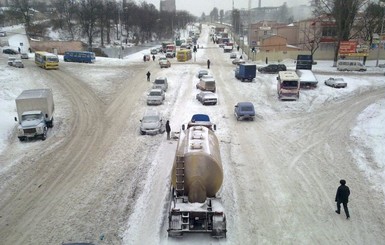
(380, 36)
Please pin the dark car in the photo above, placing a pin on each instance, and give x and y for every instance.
(244, 111)
(9, 51)
(272, 68)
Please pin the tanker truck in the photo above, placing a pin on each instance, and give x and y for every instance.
(197, 176)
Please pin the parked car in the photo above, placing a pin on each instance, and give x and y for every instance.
(202, 73)
(238, 61)
(161, 83)
(11, 60)
(3, 33)
(233, 55)
(207, 98)
(155, 97)
(272, 68)
(350, 65)
(24, 56)
(18, 64)
(244, 110)
(165, 63)
(336, 82)
(9, 51)
(152, 123)
(206, 83)
(154, 51)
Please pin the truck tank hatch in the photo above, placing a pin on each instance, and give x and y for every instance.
(196, 146)
(197, 136)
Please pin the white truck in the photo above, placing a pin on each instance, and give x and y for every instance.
(35, 109)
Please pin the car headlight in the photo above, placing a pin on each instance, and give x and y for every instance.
(40, 129)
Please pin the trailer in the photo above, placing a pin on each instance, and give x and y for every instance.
(197, 176)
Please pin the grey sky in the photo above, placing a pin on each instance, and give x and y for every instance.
(196, 7)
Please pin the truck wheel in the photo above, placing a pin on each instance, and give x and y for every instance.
(21, 138)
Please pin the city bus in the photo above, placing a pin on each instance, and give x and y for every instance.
(183, 55)
(79, 56)
(46, 60)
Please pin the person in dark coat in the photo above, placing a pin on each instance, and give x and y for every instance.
(153, 57)
(148, 76)
(342, 196)
(208, 64)
(168, 129)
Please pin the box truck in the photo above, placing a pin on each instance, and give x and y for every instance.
(35, 109)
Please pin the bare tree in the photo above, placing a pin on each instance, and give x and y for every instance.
(370, 23)
(88, 16)
(65, 15)
(23, 11)
(312, 36)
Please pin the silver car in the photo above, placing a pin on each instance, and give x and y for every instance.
(152, 123)
(207, 98)
(336, 82)
(155, 97)
(161, 82)
(18, 64)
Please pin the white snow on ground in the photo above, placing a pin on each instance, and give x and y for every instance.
(369, 132)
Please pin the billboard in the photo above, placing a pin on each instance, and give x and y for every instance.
(352, 48)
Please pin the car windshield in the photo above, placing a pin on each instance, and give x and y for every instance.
(155, 93)
(52, 59)
(159, 82)
(290, 83)
(246, 108)
(150, 118)
(31, 117)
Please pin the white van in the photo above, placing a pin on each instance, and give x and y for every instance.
(350, 65)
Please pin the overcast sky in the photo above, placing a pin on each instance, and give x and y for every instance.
(197, 7)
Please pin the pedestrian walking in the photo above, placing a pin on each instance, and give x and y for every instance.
(19, 49)
(148, 76)
(168, 129)
(238, 48)
(342, 196)
(153, 57)
(208, 64)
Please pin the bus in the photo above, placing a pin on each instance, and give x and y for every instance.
(183, 55)
(46, 60)
(79, 56)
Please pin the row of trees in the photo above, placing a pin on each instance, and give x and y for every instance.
(101, 19)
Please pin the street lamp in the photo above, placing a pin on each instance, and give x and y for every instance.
(382, 29)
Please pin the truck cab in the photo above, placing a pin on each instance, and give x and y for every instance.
(288, 85)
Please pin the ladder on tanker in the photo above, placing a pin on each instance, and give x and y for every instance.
(179, 180)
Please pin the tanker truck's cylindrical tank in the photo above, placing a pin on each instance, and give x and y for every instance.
(203, 173)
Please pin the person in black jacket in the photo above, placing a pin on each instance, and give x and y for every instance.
(342, 196)
(168, 129)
